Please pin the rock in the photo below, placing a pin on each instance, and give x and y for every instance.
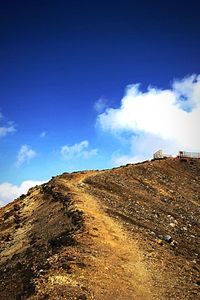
(152, 233)
(197, 283)
(167, 238)
(16, 207)
(159, 242)
(174, 244)
(194, 261)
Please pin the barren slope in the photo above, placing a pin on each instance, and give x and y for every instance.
(126, 233)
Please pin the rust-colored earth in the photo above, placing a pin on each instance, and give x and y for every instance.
(130, 233)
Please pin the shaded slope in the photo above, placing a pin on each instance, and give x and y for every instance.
(101, 235)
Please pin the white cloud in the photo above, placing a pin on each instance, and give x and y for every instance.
(141, 147)
(7, 128)
(43, 134)
(170, 117)
(25, 154)
(100, 105)
(9, 192)
(119, 160)
(188, 90)
(4, 130)
(77, 151)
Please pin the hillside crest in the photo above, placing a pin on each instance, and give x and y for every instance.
(127, 233)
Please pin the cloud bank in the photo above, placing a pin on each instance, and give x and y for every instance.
(171, 117)
(77, 151)
(9, 192)
(25, 154)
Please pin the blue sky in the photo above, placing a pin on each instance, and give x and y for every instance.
(68, 94)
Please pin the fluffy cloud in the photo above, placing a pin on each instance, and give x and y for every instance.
(188, 90)
(170, 117)
(25, 154)
(9, 192)
(77, 151)
(7, 128)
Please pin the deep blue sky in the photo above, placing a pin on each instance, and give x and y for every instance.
(57, 58)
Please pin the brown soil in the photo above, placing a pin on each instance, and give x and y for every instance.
(127, 233)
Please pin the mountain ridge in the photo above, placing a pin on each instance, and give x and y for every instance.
(127, 233)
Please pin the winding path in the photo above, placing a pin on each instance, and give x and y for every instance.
(117, 270)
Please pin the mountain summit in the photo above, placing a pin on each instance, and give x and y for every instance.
(130, 233)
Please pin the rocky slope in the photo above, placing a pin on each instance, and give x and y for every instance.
(126, 233)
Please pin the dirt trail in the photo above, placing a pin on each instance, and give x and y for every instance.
(117, 268)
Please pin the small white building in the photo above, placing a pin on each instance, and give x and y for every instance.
(159, 154)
